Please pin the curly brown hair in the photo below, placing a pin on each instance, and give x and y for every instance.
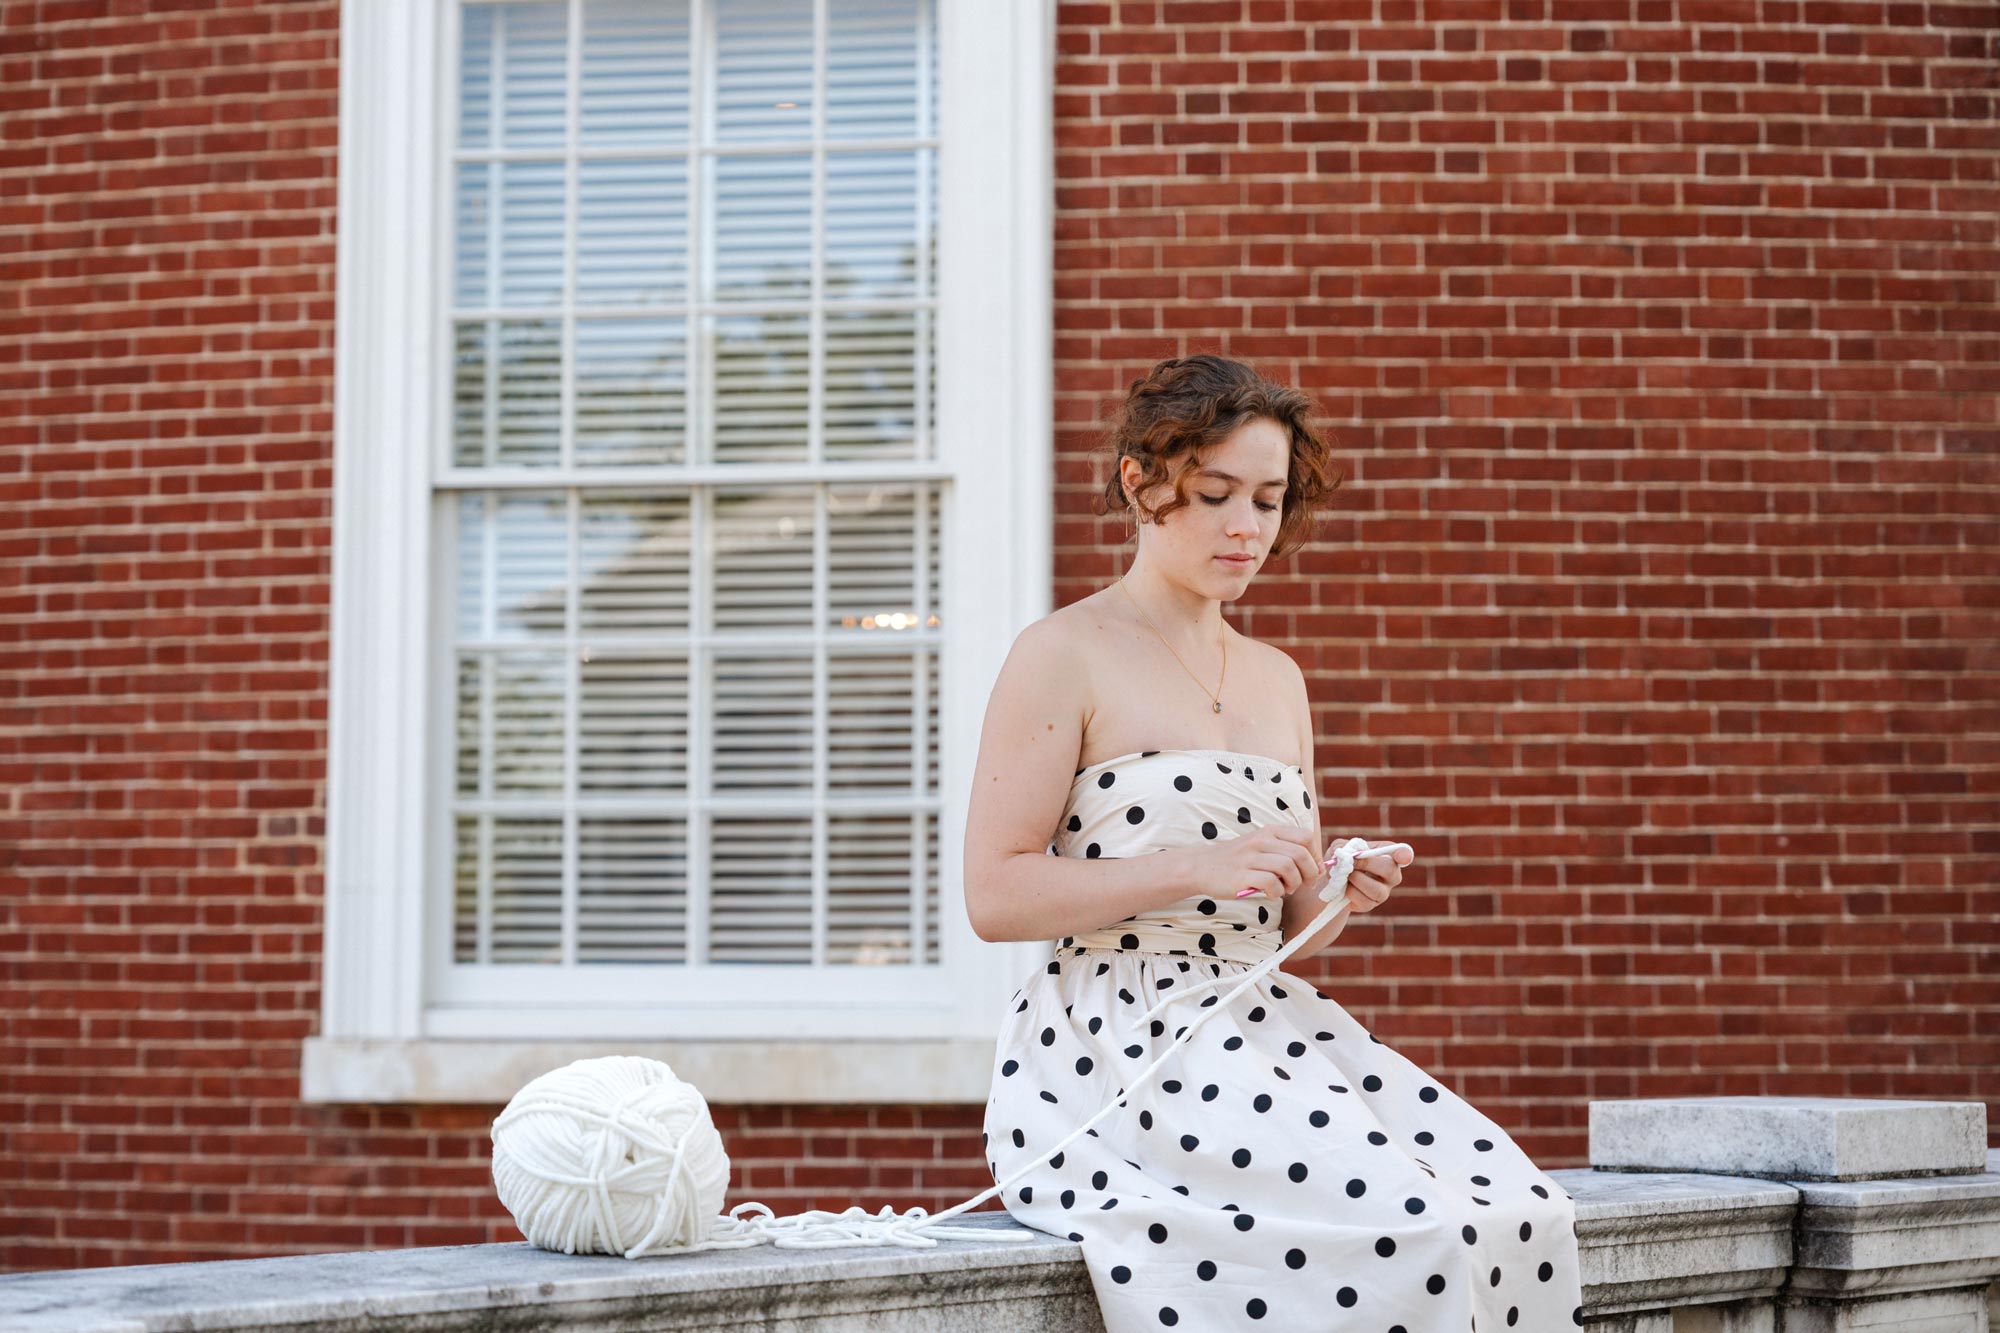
(1189, 404)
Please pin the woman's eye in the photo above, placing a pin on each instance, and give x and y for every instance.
(1218, 499)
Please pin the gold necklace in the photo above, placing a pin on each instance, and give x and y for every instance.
(1216, 695)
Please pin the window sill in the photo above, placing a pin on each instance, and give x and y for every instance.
(950, 1070)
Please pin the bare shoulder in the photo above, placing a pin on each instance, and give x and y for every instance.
(1272, 663)
(1077, 635)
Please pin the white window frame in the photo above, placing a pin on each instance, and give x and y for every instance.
(383, 1036)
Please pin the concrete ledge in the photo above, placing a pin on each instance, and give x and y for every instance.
(1003, 1285)
(1790, 1138)
(1673, 1241)
(929, 1071)
(1661, 1252)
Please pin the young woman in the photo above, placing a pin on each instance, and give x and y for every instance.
(1141, 764)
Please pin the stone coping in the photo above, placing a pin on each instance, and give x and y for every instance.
(1647, 1241)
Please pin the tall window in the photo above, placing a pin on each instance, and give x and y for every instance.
(673, 335)
(695, 661)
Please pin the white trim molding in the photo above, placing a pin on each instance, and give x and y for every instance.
(784, 1033)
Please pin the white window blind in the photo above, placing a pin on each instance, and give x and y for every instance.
(694, 717)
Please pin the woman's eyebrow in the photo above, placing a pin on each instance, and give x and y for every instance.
(1217, 472)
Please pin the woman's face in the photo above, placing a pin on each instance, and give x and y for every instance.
(1235, 500)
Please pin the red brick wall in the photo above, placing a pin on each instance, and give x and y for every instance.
(1662, 361)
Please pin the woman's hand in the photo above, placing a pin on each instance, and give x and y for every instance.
(1368, 889)
(1276, 860)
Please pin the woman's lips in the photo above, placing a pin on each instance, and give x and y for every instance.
(1238, 561)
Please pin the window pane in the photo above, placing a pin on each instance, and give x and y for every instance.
(477, 26)
(632, 891)
(869, 737)
(870, 397)
(760, 906)
(531, 233)
(527, 575)
(532, 41)
(631, 391)
(632, 724)
(761, 387)
(871, 225)
(872, 556)
(763, 70)
(473, 267)
(763, 222)
(870, 866)
(507, 386)
(521, 697)
(762, 719)
(764, 561)
(636, 79)
(525, 867)
(632, 232)
(871, 69)
(637, 570)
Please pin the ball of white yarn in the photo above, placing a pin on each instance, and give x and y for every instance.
(611, 1155)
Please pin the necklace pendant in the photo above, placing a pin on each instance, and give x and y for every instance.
(1218, 705)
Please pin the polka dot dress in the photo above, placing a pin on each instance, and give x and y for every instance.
(1285, 1168)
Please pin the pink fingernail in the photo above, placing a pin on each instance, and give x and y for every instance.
(1245, 893)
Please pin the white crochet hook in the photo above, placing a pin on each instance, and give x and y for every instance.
(1349, 850)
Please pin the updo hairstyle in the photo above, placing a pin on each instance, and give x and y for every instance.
(1187, 405)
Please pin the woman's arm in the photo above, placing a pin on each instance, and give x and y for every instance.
(1301, 907)
(1028, 748)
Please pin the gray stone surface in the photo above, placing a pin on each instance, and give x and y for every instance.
(1662, 1252)
(1009, 1286)
(1789, 1138)
(1659, 1241)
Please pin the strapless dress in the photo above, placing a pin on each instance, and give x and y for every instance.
(1286, 1168)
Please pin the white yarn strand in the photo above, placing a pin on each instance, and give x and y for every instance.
(618, 1155)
